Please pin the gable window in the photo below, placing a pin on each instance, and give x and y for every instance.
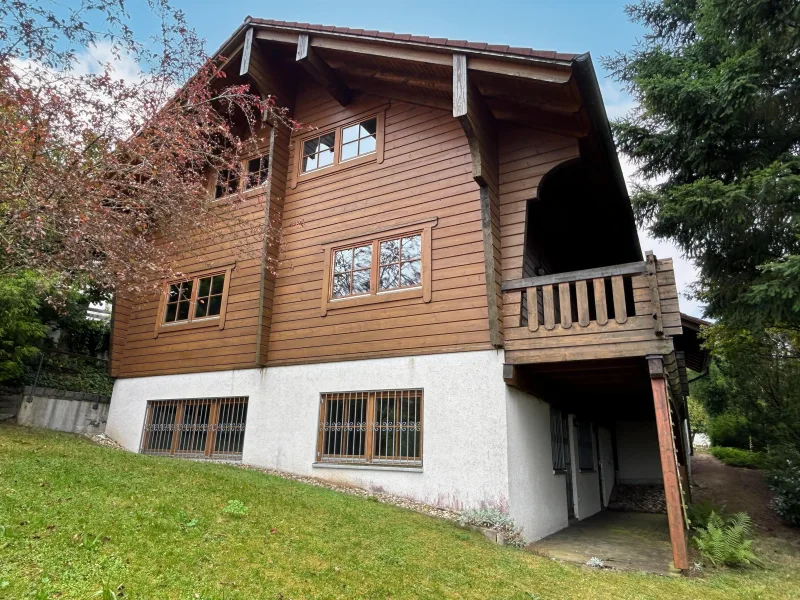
(387, 265)
(377, 428)
(196, 301)
(257, 170)
(353, 142)
(359, 139)
(318, 152)
(585, 449)
(254, 174)
(227, 183)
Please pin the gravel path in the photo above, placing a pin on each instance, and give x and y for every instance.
(736, 490)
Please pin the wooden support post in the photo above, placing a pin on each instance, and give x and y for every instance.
(479, 126)
(321, 72)
(669, 467)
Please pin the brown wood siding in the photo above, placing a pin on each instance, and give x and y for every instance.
(426, 173)
(279, 165)
(120, 321)
(207, 348)
(525, 156)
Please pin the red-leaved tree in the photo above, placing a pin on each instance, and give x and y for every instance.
(104, 179)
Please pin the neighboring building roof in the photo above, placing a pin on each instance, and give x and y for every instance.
(419, 39)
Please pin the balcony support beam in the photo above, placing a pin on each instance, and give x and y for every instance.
(669, 462)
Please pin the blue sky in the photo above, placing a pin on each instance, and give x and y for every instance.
(599, 27)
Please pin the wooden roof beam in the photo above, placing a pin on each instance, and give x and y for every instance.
(321, 72)
(509, 66)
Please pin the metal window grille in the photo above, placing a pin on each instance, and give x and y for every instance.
(380, 427)
(196, 428)
(559, 440)
(585, 451)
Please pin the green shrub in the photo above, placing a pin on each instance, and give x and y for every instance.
(493, 518)
(235, 508)
(783, 476)
(736, 457)
(700, 512)
(725, 541)
(729, 429)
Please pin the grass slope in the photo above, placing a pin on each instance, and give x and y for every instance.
(74, 516)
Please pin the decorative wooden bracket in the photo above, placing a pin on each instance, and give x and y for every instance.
(247, 50)
(321, 71)
(478, 124)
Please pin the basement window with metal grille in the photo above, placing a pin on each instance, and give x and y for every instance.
(380, 428)
(559, 440)
(210, 428)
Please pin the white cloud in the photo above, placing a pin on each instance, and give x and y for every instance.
(618, 104)
(95, 58)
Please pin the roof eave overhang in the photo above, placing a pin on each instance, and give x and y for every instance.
(589, 89)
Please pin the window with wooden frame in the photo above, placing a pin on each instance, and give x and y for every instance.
(196, 428)
(359, 140)
(388, 264)
(254, 174)
(382, 428)
(199, 300)
(559, 440)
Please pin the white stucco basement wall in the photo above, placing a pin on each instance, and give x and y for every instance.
(639, 459)
(606, 459)
(537, 496)
(465, 420)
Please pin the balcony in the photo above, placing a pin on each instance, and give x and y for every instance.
(618, 311)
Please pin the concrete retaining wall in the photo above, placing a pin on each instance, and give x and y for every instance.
(76, 412)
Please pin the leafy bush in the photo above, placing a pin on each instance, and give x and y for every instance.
(783, 476)
(700, 512)
(729, 429)
(235, 508)
(724, 541)
(736, 457)
(492, 518)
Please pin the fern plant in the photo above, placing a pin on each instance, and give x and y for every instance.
(725, 541)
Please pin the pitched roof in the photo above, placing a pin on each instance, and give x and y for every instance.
(418, 39)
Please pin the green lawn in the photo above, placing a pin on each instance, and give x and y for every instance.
(74, 516)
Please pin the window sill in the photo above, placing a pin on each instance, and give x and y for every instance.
(372, 467)
(210, 322)
(364, 159)
(415, 292)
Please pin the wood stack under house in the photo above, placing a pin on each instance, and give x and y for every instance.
(461, 312)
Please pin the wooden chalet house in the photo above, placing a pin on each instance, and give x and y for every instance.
(464, 316)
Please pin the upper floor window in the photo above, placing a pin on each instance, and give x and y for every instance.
(389, 265)
(352, 143)
(195, 301)
(318, 152)
(359, 139)
(254, 173)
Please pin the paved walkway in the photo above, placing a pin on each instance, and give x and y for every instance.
(622, 540)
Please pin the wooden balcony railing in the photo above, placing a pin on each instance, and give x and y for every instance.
(614, 311)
